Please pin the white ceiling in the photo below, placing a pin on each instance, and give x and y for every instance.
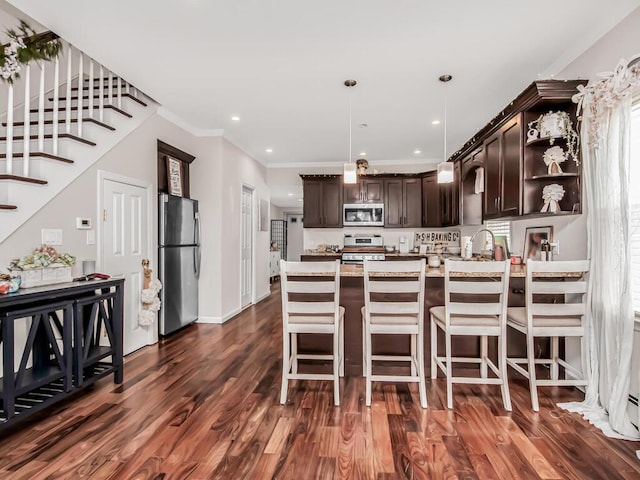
(280, 65)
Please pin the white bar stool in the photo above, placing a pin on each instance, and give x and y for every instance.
(394, 304)
(552, 320)
(475, 304)
(311, 304)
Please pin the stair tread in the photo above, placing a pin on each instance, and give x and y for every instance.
(49, 136)
(124, 95)
(62, 109)
(4, 206)
(50, 156)
(38, 181)
(73, 120)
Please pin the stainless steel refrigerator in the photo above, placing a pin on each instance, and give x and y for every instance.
(178, 261)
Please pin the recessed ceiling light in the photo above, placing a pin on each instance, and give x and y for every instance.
(269, 150)
(290, 194)
(362, 154)
(417, 152)
(363, 125)
(235, 118)
(435, 122)
(299, 199)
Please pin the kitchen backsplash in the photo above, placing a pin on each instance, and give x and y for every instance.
(335, 236)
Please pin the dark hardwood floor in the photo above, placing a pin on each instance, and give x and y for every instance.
(205, 404)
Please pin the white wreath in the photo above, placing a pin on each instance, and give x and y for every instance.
(150, 303)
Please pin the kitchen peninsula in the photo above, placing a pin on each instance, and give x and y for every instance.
(352, 298)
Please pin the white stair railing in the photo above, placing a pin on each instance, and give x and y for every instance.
(51, 88)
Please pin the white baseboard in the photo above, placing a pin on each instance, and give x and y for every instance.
(230, 315)
(219, 320)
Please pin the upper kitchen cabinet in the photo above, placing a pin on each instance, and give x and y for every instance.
(503, 158)
(515, 151)
(431, 216)
(367, 190)
(403, 202)
(322, 201)
(450, 199)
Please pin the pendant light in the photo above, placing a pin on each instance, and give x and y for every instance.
(445, 169)
(350, 176)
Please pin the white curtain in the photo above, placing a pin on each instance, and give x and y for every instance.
(606, 116)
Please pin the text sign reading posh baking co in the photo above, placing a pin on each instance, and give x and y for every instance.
(431, 237)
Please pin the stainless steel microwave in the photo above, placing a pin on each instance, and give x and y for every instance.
(361, 214)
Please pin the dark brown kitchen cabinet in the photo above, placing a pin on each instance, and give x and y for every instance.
(503, 171)
(402, 202)
(322, 203)
(367, 190)
(450, 199)
(430, 201)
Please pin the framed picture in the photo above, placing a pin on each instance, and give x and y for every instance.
(503, 243)
(263, 205)
(174, 176)
(533, 239)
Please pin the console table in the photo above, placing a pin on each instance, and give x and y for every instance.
(73, 337)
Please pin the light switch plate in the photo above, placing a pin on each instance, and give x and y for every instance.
(52, 236)
(91, 237)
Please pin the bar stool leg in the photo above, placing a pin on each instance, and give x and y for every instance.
(414, 359)
(449, 370)
(341, 343)
(484, 351)
(434, 348)
(532, 373)
(336, 368)
(555, 352)
(421, 386)
(294, 353)
(285, 367)
(369, 366)
(364, 348)
(502, 358)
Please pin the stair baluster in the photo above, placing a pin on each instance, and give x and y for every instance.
(101, 95)
(80, 81)
(40, 110)
(9, 166)
(56, 104)
(119, 93)
(67, 109)
(90, 88)
(26, 138)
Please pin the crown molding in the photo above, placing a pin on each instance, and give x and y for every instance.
(177, 120)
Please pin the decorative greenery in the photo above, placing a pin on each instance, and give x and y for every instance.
(25, 46)
(42, 257)
(565, 128)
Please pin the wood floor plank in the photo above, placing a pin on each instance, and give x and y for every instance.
(204, 404)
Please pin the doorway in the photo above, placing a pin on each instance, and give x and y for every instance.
(124, 210)
(295, 236)
(246, 248)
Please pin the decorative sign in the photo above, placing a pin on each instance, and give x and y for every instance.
(174, 176)
(431, 238)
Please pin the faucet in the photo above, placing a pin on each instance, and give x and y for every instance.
(493, 241)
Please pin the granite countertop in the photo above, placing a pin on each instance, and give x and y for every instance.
(315, 253)
(517, 271)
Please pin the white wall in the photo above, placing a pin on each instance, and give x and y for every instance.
(239, 169)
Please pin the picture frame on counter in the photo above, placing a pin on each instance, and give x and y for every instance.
(502, 243)
(533, 239)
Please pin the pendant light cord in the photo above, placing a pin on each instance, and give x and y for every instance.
(350, 126)
(445, 127)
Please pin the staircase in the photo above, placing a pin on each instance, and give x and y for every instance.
(60, 118)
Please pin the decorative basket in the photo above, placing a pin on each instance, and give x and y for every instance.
(37, 277)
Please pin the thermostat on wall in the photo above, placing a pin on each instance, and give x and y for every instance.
(83, 223)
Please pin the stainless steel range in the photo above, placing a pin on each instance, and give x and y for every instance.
(358, 248)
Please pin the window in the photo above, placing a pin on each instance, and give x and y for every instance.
(634, 202)
(500, 227)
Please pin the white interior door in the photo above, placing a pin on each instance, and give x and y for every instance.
(246, 248)
(295, 236)
(124, 246)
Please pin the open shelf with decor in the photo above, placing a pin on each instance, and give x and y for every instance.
(551, 160)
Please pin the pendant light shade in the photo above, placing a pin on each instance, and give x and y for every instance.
(350, 175)
(445, 169)
(445, 172)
